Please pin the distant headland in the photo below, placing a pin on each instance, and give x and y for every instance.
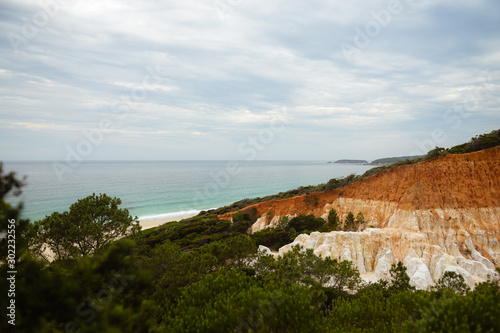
(352, 162)
(379, 162)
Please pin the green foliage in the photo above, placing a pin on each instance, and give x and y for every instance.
(453, 281)
(250, 214)
(232, 252)
(477, 143)
(91, 224)
(477, 311)
(231, 301)
(194, 232)
(283, 222)
(483, 141)
(400, 281)
(288, 230)
(340, 182)
(305, 223)
(84, 294)
(360, 219)
(273, 238)
(436, 152)
(333, 220)
(349, 222)
(394, 159)
(242, 221)
(370, 310)
(171, 269)
(304, 267)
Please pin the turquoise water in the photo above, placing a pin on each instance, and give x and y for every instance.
(166, 188)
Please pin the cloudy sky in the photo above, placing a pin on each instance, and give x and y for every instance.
(245, 79)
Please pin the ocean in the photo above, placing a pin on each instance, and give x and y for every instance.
(155, 189)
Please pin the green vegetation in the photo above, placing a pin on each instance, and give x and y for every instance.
(352, 161)
(477, 143)
(205, 275)
(333, 220)
(274, 238)
(349, 222)
(90, 225)
(391, 160)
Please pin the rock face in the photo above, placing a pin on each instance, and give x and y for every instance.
(435, 216)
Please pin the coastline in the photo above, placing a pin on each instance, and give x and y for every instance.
(148, 223)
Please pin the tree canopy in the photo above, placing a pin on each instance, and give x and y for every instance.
(91, 224)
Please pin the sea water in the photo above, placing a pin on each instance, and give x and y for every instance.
(155, 189)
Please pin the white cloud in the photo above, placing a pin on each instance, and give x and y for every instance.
(214, 78)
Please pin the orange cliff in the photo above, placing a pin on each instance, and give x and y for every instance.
(438, 215)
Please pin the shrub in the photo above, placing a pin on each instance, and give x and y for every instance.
(453, 281)
(272, 238)
(305, 223)
(349, 222)
(333, 220)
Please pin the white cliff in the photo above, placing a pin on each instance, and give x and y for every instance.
(435, 216)
(428, 242)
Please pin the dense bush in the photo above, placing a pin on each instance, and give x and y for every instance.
(477, 311)
(234, 302)
(273, 238)
(305, 223)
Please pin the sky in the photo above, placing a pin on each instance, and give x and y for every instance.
(245, 80)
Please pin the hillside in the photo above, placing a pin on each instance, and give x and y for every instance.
(437, 215)
(390, 160)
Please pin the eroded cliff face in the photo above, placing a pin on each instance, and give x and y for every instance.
(436, 216)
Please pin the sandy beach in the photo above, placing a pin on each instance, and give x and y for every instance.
(151, 223)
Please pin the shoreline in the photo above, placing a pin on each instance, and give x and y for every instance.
(155, 222)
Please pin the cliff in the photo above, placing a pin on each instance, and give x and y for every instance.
(438, 215)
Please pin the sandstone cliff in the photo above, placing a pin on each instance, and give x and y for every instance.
(438, 215)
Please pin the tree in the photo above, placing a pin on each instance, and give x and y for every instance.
(299, 265)
(333, 220)
(283, 222)
(453, 281)
(477, 311)
(234, 302)
(400, 281)
(436, 152)
(360, 219)
(91, 224)
(305, 223)
(344, 275)
(349, 222)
